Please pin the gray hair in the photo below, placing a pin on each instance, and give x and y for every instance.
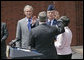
(42, 16)
(28, 6)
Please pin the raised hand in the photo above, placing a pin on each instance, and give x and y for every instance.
(34, 19)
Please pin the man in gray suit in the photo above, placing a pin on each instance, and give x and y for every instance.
(24, 27)
(4, 35)
(42, 37)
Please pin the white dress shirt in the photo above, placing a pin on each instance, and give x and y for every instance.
(63, 42)
(51, 21)
(30, 21)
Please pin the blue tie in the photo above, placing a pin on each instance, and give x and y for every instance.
(29, 25)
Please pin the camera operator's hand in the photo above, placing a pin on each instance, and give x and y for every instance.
(34, 20)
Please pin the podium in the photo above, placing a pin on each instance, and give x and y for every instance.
(17, 53)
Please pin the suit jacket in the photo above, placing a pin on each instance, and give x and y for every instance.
(42, 39)
(4, 35)
(54, 22)
(22, 33)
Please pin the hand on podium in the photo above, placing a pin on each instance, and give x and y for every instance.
(12, 43)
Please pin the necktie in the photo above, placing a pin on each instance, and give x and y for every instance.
(49, 22)
(29, 25)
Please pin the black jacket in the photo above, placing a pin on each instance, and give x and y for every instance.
(42, 39)
(4, 35)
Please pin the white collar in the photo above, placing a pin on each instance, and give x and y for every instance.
(41, 22)
(66, 27)
(51, 20)
(27, 19)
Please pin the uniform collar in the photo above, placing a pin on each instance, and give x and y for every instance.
(50, 20)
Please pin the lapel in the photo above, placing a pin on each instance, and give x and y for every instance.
(54, 22)
(47, 22)
(26, 23)
(1, 26)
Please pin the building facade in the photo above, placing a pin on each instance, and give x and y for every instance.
(12, 11)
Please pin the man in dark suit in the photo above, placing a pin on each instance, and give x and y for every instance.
(42, 37)
(4, 35)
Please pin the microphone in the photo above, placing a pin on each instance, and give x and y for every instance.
(12, 43)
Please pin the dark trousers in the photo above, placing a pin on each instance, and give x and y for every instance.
(3, 56)
(69, 56)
